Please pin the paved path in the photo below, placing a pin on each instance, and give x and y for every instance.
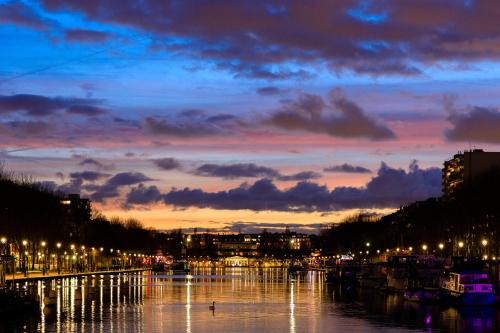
(34, 276)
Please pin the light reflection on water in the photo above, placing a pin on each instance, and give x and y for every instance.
(247, 300)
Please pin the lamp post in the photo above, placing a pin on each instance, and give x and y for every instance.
(460, 246)
(43, 243)
(424, 247)
(58, 245)
(25, 258)
(3, 240)
(441, 247)
(484, 243)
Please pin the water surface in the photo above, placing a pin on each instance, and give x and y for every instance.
(246, 300)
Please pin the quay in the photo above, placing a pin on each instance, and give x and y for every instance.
(38, 276)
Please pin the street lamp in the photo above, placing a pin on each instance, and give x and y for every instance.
(424, 247)
(25, 257)
(441, 246)
(58, 245)
(44, 260)
(367, 244)
(484, 242)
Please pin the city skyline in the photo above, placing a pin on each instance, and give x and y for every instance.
(203, 115)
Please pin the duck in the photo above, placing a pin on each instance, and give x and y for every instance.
(212, 307)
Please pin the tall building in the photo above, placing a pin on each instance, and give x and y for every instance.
(464, 167)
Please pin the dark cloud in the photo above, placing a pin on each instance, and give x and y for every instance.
(166, 127)
(110, 188)
(195, 124)
(259, 227)
(266, 41)
(36, 105)
(250, 170)
(389, 188)
(392, 188)
(300, 176)
(479, 124)
(167, 163)
(29, 128)
(86, 36)
(343, 118)
(235, 171)
(271, 91)
(88, 175)
(142, 195)
(347, 168)
(86, 110)
(96, 163)
(19, 14)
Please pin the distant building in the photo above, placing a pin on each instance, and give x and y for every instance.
(79, 211)
(247, 245)
(464, 167)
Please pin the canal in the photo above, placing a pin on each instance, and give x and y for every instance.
(246, 300)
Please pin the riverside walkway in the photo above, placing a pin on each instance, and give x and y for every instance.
(37, 275)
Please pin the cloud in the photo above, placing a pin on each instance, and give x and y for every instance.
(343, 118)
(479, 124)
(193, 123)
(36, 105)
(142, 195)
(250, 170)
(86, 110)
(389, 188)
(86, 36)
(264, 41)
(166, 127)
(29, 128)
(259, 227)
(235, 171)
(300, 176)
(167, 163)
(19, 14)
(110, 188)
(347, 168)
(96, 163)
(88, 175)
(271, 91)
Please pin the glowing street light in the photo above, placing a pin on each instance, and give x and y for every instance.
(460, 244)
(58, 245)
(43, 243)
(3, 240)
(441, 246)
(25, 242)
(424, 247)
(484, 242)
(367, 244)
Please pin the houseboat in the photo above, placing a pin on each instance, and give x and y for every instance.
(468, 288)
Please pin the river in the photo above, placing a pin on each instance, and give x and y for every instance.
(246, 300)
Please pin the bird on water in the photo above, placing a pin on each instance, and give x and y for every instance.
(212, 307)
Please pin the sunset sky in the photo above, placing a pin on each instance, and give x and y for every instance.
(240, 115)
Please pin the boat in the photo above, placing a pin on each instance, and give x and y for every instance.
(372, 275)
(468, 288)
(398, 272)
(422, 295)
(180, 267)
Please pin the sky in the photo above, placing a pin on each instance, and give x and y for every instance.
(243, 115)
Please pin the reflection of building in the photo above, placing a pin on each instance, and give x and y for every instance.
(464, 167)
